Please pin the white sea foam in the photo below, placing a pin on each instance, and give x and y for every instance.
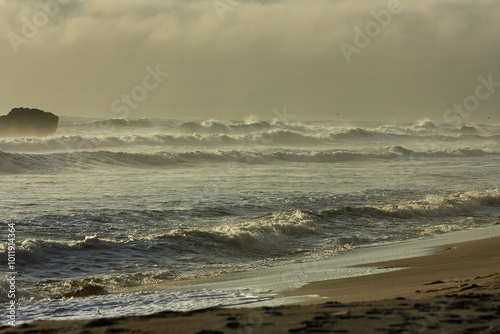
(143, 303)
(122, 133)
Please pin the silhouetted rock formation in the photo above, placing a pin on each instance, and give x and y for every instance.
(26, 122)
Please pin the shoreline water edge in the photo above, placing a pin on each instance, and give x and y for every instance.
(424, 298)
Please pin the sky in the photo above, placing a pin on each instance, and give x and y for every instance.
(232, 59)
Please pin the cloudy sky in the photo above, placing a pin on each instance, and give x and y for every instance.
(322, 59)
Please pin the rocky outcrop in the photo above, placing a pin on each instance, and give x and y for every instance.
(26, 122)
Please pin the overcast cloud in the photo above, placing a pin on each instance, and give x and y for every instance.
(255, 56)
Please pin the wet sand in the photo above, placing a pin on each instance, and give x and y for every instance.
(454, 291)
(455, 265)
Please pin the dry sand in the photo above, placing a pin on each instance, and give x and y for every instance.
(454, 291)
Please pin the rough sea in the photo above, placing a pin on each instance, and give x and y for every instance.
(111, 215)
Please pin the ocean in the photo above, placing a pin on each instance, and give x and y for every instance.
(129, 214)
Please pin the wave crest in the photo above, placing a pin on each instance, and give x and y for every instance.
(459, 204)
(42, 163)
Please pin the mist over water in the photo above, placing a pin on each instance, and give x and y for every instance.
(125, 204)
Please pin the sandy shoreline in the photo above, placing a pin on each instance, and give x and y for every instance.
(457, 289)
(453, 265)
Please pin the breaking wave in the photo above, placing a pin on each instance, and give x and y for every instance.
(124, 133)
(432, 205)
(257, 237)
(40, 163)
(265, 236)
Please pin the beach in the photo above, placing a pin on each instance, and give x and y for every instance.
(456, 290)
(159, 215)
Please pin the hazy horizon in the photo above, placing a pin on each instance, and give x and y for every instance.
(336, 60)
